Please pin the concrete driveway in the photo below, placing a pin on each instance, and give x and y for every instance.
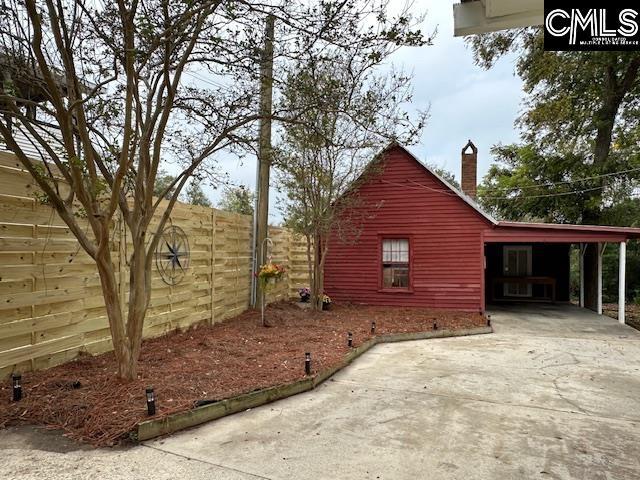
(554, 393)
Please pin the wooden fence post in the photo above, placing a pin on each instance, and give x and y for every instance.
(213, 264)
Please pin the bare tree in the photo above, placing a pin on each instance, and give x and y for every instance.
(350, 114)
(108, 91)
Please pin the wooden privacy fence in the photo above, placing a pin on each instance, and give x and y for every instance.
(51, 306)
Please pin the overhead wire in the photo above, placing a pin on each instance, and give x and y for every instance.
(542, 195)
(565, 182)
(518, 197)
(523, 187)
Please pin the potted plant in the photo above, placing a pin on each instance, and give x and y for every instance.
(305, 294)
(326, 302)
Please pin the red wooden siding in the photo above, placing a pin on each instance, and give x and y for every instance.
(445, 233)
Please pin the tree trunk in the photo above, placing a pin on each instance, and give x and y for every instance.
(127, 362)
(614, 92)
(139, 295)
(121, 344)
(309, 260)
(605, 121)
(320, 249)
(126, 336)
(317, 287)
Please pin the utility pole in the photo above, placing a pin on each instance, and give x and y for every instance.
(261, 211)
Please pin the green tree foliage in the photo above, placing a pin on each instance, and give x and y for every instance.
(347, 114)
(238, 200)
(163, 186)
(579, 157)
(445, 175)
(581, 124)
(195, 195)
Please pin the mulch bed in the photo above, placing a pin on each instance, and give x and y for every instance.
(631, 310)
(205, 362)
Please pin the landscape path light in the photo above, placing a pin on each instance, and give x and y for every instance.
(17, 387)
(151, 401)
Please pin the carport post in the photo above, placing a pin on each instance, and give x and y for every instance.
(600, 252)
(583, 248)
(621, 280)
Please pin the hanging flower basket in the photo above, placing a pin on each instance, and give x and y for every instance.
(271, 273)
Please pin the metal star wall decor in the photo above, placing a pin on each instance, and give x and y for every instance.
(172, 255)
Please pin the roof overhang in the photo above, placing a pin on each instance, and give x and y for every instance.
(482, 16)
(522, 232)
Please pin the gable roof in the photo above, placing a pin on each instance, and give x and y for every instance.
(463, 196)
(551, 228)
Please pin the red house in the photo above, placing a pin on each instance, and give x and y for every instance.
(428, 244)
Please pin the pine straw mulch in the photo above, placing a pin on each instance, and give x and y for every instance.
(632, 313)
(205, 362)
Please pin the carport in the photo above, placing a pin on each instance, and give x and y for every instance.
(530, 262)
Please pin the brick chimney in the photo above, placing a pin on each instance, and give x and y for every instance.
(469, 182)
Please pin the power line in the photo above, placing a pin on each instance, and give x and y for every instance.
(204, 80)
(519, 197)
(557, 194)
(578, 180)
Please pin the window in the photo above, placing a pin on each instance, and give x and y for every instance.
(395, 263)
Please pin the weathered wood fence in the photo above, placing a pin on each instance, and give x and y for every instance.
(51, 306)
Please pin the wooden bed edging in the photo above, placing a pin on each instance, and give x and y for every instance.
(189, 418)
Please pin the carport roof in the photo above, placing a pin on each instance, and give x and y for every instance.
(558, 232)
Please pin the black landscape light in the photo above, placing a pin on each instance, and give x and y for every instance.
(350, 339)
(488, 320)
(373, 327)
(151, 401)
(307, 363)
(17, 387)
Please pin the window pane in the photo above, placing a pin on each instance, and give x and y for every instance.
(401, 277)
(395, 276)
(395, 250)
(403, 250)
(387, 277)
(395, 263)
(386, 251)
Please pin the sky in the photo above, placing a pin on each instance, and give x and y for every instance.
(465, 102)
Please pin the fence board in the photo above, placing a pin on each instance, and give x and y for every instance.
(51, 305)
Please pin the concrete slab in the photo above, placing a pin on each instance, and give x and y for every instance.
(559, 320)
(28, 453)
(553, 394)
